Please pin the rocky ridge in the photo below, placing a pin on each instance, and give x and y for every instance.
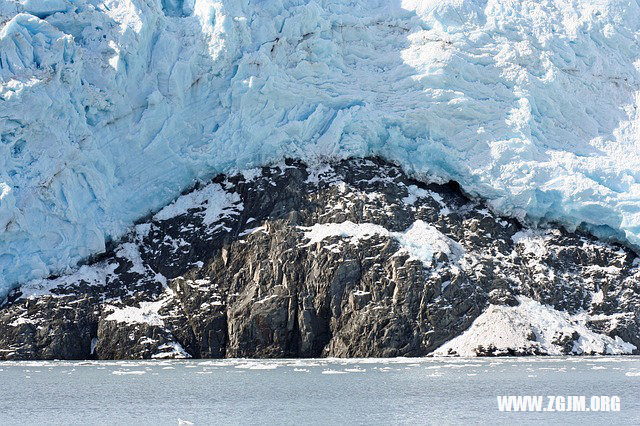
(352, 259)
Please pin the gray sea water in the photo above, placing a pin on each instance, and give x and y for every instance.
(312, 391)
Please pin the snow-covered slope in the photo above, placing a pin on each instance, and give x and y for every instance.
(531, 327)
(110, 108)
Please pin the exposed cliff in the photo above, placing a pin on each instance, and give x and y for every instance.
(350, 259)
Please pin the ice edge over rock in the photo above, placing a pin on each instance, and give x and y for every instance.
(355, 247)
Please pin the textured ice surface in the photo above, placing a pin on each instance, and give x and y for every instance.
(110, 108)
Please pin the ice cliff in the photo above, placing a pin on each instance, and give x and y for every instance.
(110, 108)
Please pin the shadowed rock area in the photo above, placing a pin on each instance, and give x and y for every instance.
(352, 259)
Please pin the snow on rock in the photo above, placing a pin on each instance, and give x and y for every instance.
(415, 193)
(110, 109)
(218, 203)
(353, 231)
(146, 313)
(97, 274)
(131, 252)
(21, 321)
(421, 240)
(172, 350)
(531, 328)
(532, 242)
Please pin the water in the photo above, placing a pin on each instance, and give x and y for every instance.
(320, 391)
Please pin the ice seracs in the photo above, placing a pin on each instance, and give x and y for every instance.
(110, 109)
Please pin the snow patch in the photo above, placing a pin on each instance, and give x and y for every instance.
(22, 320)
(421, 240)
(414, 193)
(131, 252)
(146, 313)
(532, 242)
(217, 202)
(171, 350)
(89, 274)
(531, 327)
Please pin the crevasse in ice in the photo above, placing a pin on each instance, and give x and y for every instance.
(110, 108)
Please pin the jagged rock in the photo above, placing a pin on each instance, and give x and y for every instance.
(500, 296)
(352, 259)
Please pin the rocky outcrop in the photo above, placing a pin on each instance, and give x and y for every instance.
(352, 259)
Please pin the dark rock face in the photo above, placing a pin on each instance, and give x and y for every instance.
(353, 259)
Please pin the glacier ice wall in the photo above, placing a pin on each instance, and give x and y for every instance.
(109, 108)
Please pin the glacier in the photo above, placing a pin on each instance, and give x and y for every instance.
(109, 109)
